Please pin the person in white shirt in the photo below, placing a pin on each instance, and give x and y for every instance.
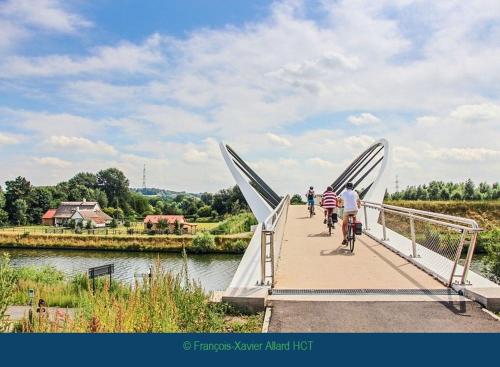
(351, 202)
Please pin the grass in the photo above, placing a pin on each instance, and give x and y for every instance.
(162, 243)
(164, 303)
(236, 224)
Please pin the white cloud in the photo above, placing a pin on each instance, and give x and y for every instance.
(464, 154)
(280, 140)
(476, 112)
(7, 139)
(124, 57)
(51, 161)
(321, 162)
(364, 118)
(46, 14)
(286, 72)
(81, 145)
(359, 141)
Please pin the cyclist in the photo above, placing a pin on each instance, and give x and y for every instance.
(352, 203)
(310, 199)
(329, 202)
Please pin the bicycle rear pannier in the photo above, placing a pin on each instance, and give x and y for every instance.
(335, 218)
(358, 228)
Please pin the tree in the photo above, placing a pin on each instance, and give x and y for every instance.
(116, 186)
(162, 224)
(205, 211)
(20, 188)
(4, 217)
(39, 201)
(468, 190)
(296, 200)
(19, 216)
(456, 195)
(86, 179)
(207, 198)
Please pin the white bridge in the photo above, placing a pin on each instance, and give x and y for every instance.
(403, 252)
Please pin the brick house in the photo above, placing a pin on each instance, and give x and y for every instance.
(170, 219)
(48, 218)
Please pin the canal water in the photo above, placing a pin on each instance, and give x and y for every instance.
(213, 271)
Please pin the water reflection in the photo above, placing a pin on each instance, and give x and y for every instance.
(214, 271)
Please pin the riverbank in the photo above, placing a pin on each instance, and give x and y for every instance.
(228, 244)
(164, 302)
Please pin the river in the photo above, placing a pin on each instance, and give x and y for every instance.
(213, 271)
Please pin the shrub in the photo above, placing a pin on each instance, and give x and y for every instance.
(203, 242)
(236, 224)
(492, 261)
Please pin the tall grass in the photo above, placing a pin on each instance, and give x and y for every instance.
(6, 289)
(162, 303)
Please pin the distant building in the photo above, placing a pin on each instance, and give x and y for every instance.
(48, 217)
(80, 211)
(170, 219)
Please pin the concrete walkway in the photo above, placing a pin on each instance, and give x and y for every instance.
(405, 316)
(311, 259)
(18, 313)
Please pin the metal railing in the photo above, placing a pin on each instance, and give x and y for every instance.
(436, 241)
(271, 238)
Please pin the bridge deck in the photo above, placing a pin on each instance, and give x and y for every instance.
(311, 259)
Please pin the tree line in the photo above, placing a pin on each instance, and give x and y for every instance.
(439, 190)
(22, 203)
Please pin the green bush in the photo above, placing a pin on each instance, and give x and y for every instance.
(492, 261)
(236, 224)
(203, 242)
(45, 274)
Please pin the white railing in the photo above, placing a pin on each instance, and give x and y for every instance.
(435, 241)
(271, 239)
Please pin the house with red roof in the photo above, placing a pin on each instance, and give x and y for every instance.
(79, 211)
(48, 219)
(151, 222)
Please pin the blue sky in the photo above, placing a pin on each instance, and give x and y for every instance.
(299, 88)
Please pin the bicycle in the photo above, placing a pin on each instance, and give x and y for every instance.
(330, 223)
(311, 210)
(351, 232)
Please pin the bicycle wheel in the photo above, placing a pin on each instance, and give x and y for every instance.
(352, 237)
(330, 227)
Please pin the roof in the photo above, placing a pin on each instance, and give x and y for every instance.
(68, 208)
(49, 214)
(169, 218)
(98, 216)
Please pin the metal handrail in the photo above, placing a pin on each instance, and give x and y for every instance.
(464, 225)
(424, 213)
(268, 232)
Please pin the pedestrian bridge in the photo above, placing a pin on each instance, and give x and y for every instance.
(403, 254)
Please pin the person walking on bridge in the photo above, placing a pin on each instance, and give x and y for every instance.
(350, 199)
(329, 202)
